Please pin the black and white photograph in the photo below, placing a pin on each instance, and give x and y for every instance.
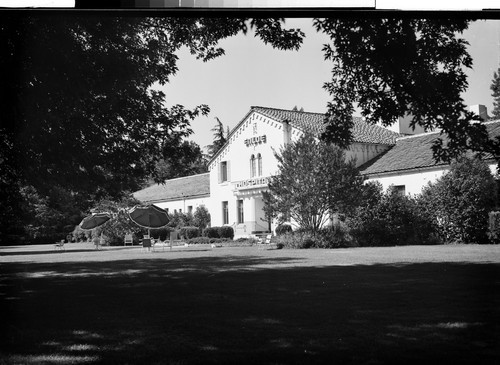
(249, 182)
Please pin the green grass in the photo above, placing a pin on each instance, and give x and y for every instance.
(244, 305)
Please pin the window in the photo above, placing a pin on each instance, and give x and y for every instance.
(223, 172)
(225, 213)
(259, 162)
(252, 166)
(241, 218)
(400, 189)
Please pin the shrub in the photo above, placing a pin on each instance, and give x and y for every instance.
(211, 232)
(198, 240)
(297, 239)
(201, 217)
(393, 220)
(226, 232)
(459, 202)
(283, 228)
(162, 233)
(189, 232)
(79, 235)
(334, 238)
(494, 227)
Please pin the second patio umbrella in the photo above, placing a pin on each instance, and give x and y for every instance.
(149, 216)
(94, 220)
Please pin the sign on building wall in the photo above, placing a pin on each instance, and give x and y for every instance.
(255, 140)
(250, 183)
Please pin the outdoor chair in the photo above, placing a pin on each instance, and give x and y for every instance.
(146, 243)
(128, 239)
(60, 246)
(265, 244)
(97, 243)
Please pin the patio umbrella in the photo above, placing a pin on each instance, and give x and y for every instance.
(149, 216)
(94, 220)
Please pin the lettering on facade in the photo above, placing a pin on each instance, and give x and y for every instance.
(255, 140)
(250, 183)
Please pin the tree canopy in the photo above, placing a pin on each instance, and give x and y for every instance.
(80, 109)
(220, 138)
(314, 180)
(495, 88)
(393, 67)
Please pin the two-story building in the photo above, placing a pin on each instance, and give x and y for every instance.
(239, 172)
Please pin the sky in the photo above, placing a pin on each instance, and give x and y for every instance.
(254, 74)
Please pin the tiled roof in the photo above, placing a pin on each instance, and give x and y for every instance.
(181, 188)
(314, 122)
(413, 153)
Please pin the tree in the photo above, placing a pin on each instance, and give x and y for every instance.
(185, 159)
(220, 138)
(459, 202)
(80, 110)
(314, 180)
(201, 217)
(392, 67)
(79, 106)
(495, 87)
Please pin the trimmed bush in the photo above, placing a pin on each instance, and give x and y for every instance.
(211, 232)
(282, 229)
(226, 232)
(198, 240)
(162, 233)
(189, 232)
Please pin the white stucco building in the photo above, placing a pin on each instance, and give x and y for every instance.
(239, 172)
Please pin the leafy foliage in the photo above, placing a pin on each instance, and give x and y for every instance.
(189, 232)
(494, 227)
(314, 181)
(114, 230)
(201, 217)
(459, 202)
(219, 232)
(220, 138)
(392, 67)
(182, 159)
(394, 219)
(226, 232)
(495, 87)
(80, 108)
(283, 229)
(211, 232)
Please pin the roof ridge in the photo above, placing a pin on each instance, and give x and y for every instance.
(183, 177)
(285, 110)
(418, 135)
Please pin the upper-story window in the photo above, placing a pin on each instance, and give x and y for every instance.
(259, 164)
(252, 166)
(224, 171)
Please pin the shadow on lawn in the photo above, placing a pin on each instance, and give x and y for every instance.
(228, 310)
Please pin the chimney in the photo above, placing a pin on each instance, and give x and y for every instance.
(287, 132)
(480, 110)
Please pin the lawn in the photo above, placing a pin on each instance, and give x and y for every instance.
(250, 306)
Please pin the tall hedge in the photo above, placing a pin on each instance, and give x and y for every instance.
(459, 202)
(390, 219)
